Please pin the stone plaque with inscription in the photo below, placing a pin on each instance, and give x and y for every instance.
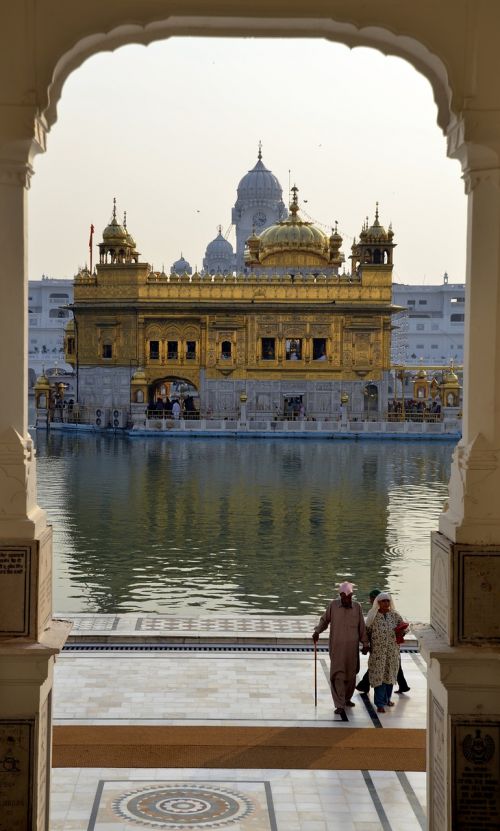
(476, 776)
(16, 751)
(479, 580)
(15, 584)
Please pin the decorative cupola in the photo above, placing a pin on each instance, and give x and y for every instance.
(335, 242)
(375, 246)
(42, 392)
(450, 388)
(118, 245)
(421, 385)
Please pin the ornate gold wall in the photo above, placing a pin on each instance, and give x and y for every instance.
(129, 308)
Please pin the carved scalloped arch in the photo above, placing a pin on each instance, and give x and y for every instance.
(153, 332)
(191, 332)
(385, 40)
(172, 332)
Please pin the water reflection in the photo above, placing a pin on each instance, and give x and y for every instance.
(190, 525)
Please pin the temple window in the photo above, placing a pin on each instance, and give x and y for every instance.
(268, 349)
(154, 350)
(377, 256)
(457, 318)
(71, 346)
(293, 349)
(226, 349)
(107, 350)
(172, 350)
(319, 349)
(190, 350)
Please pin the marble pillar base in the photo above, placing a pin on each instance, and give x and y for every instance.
(463, 745)
(26, 672)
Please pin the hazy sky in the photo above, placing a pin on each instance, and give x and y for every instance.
(171, 128)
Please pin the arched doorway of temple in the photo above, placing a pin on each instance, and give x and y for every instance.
(173, 397)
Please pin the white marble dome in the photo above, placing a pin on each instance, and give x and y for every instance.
(219, 255)
(259, 183)
(181, 266)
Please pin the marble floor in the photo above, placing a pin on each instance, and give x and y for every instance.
(231, 685)
(239, 688)
(236, 800)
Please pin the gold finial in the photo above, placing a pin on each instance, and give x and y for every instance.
(376, 212)
(219, 228)
(114, 208)
(336, 226)
(125, 219)
(259, 155)
(294, 206)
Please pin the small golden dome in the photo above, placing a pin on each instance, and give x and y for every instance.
(114, 231)
(422, 373)
(375, 232)
(450, 378)
(42, 382)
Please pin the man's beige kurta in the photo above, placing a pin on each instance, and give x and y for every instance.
(347, 631)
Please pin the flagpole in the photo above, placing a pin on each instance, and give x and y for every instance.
(90, 245)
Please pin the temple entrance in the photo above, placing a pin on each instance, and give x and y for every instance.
(173, 397)
(293, 407)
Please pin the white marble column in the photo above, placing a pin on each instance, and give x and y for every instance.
(29, 638)
(462, 646)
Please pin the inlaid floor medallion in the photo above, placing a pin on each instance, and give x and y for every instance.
(180, 805)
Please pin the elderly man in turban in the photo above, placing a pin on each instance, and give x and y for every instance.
(347, 630)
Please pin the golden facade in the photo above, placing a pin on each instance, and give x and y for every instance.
(228, 334)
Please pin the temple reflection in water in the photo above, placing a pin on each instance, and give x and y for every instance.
(243, 526)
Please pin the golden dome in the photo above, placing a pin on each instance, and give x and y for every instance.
(292, 241)
(114, 231)
(375, 232)
(422, 373)
(42, 382)
(450, 378)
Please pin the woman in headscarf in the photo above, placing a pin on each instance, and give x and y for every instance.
(383, 663)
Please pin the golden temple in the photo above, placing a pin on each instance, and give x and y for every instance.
(292, 331)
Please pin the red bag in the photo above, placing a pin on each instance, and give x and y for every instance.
(401, 630)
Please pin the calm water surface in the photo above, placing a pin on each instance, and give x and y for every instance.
(190, 526)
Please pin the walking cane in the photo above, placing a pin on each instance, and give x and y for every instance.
(315, 675)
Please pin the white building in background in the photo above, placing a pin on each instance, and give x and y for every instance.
(431, 330)
(47, 299)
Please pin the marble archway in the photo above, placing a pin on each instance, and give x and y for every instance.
(454, 45)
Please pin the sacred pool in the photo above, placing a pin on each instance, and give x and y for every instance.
(190, 526)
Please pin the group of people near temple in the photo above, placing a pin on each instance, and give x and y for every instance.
(173, 408)
(415, 409)
(380, 635)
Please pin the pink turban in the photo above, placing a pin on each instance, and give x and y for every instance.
(346, 587)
